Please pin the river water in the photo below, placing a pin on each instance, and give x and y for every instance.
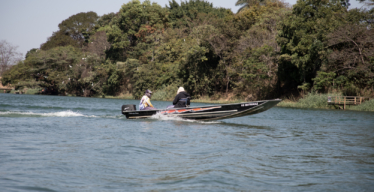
(53, 143)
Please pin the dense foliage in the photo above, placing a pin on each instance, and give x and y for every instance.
(265, 50)
(324, 46)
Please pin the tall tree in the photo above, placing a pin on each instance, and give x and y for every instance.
(79, 26)
(350, 62)
(302, 39)
(185, 13)
(104, 20)
(8, 55)
(74, 31)
(59, 39)
(256, 55)
(98, 44)
(223, 42)
(134, 23)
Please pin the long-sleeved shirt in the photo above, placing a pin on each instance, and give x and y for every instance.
(181, 100)
(145, 102)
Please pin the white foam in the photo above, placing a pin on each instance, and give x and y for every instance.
(63, 114)
(67, 113)
(160, 116)
(17, 113)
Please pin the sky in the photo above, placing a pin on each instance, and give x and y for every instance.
(28, 23)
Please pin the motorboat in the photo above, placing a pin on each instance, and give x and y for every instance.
(204, 113)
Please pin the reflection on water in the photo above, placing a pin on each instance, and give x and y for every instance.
(72, 144)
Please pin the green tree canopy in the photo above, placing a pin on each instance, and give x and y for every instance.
(134, 23)
(185, 13)
(249, 3)
(58, 39)
(79, 26)
(264, 51)
(74, 31)
(302, 36)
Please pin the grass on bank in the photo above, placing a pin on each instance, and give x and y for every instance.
(121, 96)
(28, 91)
(365, 106)
(312, 100)
(319, 101)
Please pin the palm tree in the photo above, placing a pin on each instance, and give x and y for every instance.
(247, 3)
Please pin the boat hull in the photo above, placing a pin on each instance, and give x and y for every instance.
(208, 113)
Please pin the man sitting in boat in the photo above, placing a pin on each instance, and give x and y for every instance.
(145, 102)
(182, 99)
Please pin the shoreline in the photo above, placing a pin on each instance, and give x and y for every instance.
(310, 101)
(320, 103)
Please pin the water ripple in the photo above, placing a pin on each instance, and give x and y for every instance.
(86, 144)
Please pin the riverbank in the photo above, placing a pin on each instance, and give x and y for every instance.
(319, 101)
(157, 97)
(28, 91)
(311, 100)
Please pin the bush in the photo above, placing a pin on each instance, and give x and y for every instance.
(312, 100)
(365, 106)
(165, 93)
(350, 90)
(32, 91)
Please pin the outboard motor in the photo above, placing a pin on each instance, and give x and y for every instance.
(128, 108)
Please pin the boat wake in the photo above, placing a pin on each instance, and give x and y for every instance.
(67, 113)
(160, 116)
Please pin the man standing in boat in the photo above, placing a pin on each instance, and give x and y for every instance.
(145, 102)
(182, 99)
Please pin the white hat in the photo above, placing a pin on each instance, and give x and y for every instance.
(180, 90)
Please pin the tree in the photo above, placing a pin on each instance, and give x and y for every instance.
(98, 44)
(74, 31)
(223, 42)
(33, 50)
(104, 20)
(249, 3)
(16, 73)
(87, 77)
(197, 69)
(185, 13)
(134, 23)
(79, 26)
(63, 70)
(58, 39)
(8, 56)
(217, 38)
(351, 57)
(302, 39)
(256, 58)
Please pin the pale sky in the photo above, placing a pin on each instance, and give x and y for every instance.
(28, 23)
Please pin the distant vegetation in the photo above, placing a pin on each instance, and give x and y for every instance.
(319, 101)
(266, 50)
(311, 100)
(366, 106)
